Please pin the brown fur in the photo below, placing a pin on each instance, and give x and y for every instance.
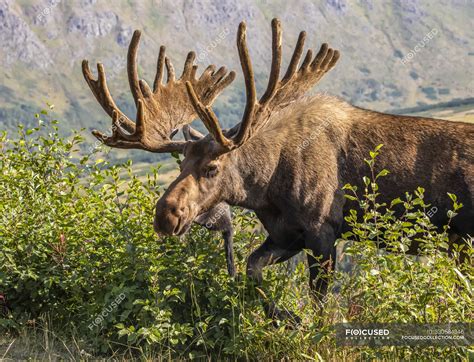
(290, 156)
(292, 173)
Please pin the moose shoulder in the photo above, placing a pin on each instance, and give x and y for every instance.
(290, 156)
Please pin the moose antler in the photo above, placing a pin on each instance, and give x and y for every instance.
(279, 93)
(161, 111)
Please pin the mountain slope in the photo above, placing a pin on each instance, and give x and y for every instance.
(43, 42)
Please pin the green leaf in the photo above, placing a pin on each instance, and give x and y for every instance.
(453, 197)
(378, 147)
(395, 202)
(347, 187)
(464, 279)
(350, 197)
(382, 173)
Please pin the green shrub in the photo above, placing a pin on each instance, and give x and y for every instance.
(79, 253)
(390, 285)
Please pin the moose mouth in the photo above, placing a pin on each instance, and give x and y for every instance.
(170, 221)
(184, 223)
(182, 227)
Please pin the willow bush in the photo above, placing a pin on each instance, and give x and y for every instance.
(78, 252)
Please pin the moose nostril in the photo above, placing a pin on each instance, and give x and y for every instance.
(178, 211)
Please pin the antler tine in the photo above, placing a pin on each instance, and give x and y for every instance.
(190, 133)
(251, 92)
(296, 83)
(223, 81)
(99, 88)
(132, 70)
(209, 118)
(145, 89)
(159, 69)
(219, 79)
(115, 139)
(324, 61)
(193, 72)
(139, 126)
(306, 61)
(170, 70)
(207, 72)
(188, 66)
(331, 63)
(276, 62)
(323, 51)
(295, 59)
(101, 92)
(219, 74)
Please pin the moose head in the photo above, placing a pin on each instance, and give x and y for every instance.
(217, 168)
(160, 113)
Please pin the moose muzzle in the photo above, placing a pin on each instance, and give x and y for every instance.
(172, 217)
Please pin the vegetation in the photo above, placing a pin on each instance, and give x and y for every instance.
(83, 275)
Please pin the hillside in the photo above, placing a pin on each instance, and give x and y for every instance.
(43, 42)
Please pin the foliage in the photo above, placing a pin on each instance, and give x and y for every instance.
(391, 285)
(78, 255)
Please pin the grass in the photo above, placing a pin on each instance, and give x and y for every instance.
(94, 241)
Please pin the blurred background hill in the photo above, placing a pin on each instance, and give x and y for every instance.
(408, 55)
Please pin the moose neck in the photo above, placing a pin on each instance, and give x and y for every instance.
(250, 174)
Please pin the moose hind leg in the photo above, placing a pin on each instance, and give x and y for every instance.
(321, 260)
(267, 254)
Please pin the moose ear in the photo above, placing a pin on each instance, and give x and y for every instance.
(190, 134)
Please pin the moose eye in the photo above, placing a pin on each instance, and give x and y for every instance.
(210, 171)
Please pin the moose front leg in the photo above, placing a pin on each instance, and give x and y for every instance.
(229, 251)
(268, 253)
(219, 218)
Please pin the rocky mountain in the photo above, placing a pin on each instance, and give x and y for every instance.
(395, 54)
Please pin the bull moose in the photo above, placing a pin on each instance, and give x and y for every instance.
(291, 154)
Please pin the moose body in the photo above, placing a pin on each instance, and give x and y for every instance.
(303, 204)
(292, 173)
(290, 156)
